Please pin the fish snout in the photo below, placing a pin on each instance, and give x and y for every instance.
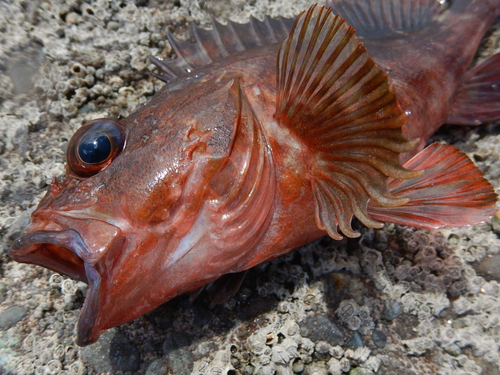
(59, 245)
(63, 251)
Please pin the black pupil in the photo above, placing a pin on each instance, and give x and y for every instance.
(94, 148)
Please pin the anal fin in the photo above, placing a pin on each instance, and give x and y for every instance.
(222, 289)
(477, 100)
(452, 192)
(339, 104)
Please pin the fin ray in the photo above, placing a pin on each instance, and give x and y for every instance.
(333, 97)
(478, 98)
(452, 192)
(219, 42)
(380, 18)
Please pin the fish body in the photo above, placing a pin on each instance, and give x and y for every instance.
(238, 160)
(427, 66)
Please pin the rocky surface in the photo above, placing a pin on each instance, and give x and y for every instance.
(397, 301)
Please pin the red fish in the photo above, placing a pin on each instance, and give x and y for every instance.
(256, 146)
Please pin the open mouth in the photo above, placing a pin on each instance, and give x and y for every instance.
(67, 253)
(61, 251)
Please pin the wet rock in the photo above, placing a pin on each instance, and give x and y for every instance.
(12, 316)
(320, 327)
(356, 341)
(392, 310)
(124, 354)
(157, 367)
(97, 354)
(174, 341)
(489, 267)
(379, 338)
(180, 361)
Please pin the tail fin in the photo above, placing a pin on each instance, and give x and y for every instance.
(451, 192)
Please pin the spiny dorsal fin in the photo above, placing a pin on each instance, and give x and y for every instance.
(219, 42)
(379, 18)
(332, 96)
(452, 192)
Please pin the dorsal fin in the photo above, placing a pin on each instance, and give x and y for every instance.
(219, 42)
(379, 18)
(332, 96)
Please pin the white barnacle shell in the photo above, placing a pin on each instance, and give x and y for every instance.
(290, 328)
(360, 354)
(372, 363)
(280, 355)
(291, 347)
(334, 366)
(337, 351)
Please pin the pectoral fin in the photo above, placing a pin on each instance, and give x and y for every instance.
(333, 97)
(477, 100)
(452, 192)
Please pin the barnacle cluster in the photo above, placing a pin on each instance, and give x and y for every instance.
(48, 353)
(423, 261)
(45, 357)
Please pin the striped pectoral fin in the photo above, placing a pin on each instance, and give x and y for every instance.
(451, 192)
(333, 97)
(477, 100)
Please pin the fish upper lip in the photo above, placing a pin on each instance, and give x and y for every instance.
(25, 249)
(69, 239)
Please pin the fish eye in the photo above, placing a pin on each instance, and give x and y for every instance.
(94, 146)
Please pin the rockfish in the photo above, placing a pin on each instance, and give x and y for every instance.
(266, 136)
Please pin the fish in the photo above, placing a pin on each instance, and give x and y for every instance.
(267, 136)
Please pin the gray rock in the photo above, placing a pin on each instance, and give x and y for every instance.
(12, 316)
(489, 267)
(124, 354)
(320, 327)
(379, 338)
(157, 367)
(97, 354)
(174, 341)
(356, 341)
(180, 361)
(392, 310)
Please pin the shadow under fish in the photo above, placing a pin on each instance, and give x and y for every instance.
(269, 135)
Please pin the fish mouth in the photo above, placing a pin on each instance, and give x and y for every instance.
(65, 252)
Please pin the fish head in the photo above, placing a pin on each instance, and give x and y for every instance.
(132, 192)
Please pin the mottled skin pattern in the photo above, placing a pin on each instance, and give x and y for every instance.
(170, 214)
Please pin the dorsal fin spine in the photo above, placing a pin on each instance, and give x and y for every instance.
(166, 73)
(221, 41)
(201, 49)
(216, 30)
(177, 46)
